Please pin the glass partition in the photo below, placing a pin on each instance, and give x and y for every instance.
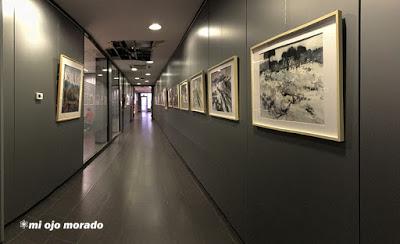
(115, 101)
(128, 103)
(95, 101)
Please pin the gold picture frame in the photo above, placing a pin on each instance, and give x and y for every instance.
(184, 92)
(224, 104)
(70, 89)
(318, 113)
(200, 105)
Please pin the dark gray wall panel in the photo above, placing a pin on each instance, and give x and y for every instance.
(1, 131)
(273, 187)
(380, 130)
(215, 149)
(301, 189)
(46, 153)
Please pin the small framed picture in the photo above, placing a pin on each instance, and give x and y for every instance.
(175, 96)
(223, 97)
(184, 95)
(170, 97)
(297, 79)
(198, 93)
(164, 98)
(70, 81)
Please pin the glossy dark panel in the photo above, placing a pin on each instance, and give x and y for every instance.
(296, 184)
(46, 153)
(380, 130)
(215, 149)
(275, 183)
(140, 197)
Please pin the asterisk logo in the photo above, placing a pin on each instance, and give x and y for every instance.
(23, 224)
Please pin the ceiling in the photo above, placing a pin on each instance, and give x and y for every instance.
(121, 20)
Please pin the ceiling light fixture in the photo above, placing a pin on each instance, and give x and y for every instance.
(104, 70)
(147, 81)
(150, 62)
(155, 27)
(139, 83)
(148, 74)
(134, 69)
(137, 78)
(100, 75)
(116, 78)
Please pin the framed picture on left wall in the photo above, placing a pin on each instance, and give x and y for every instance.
(70, 82)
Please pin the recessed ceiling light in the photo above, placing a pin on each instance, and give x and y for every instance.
(116, 78)
(150, 62)
(155, 27)
(139, 83)
(137, 78)
(146, 81)
(100, 75)
(134, 69)
(104, 70)
(148, 74)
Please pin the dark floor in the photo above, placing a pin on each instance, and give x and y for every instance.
(139, 188)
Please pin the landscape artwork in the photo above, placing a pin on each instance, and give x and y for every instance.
(197, 93)
(163, 98)
(221, 88)
(71, 89)
(184, 95)
(170, 97)
(297, 80)
(291, 82)
(69, 99)
(175, 97)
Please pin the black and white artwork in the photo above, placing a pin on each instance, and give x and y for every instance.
(184, 95)
(291, 82)
(197, 93)
(170, 95)
(297, 80)
(163, 101)
(223, 89)
(175, 97)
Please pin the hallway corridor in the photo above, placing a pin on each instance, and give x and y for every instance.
(139, 189)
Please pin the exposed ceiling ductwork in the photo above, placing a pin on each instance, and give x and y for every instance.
(132, 50)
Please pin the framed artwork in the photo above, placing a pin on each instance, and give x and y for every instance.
(70, 82)
(163, 101)
(223, 98)
(184, 95)
(170, 97)
(175, 96)
(198, 93)
(158, 94)
(296, 80)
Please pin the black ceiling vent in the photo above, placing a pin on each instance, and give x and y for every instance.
(132, 50)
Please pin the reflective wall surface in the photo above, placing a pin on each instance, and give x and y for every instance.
(95, 101)
(115, 101)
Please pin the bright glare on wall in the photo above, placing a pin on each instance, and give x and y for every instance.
(29, 19)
